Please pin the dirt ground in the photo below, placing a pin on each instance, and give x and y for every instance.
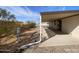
(25, 38)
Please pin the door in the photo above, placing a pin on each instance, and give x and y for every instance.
(60, 25)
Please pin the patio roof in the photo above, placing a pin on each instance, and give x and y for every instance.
(50, 16)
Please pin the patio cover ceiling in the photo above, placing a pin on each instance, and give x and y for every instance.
(50, 16)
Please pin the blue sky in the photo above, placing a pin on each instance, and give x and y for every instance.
(32, 13)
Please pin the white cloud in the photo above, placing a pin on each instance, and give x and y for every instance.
(19, 11)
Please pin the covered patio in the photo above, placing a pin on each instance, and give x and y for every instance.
(64, 26)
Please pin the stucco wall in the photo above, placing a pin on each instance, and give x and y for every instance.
(71, 26)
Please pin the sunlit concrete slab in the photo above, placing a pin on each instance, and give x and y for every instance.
(44, 34)
(60, 40)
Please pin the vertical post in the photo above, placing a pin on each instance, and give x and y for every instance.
(18, 33)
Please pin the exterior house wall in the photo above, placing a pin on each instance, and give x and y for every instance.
(71, 25)
(51, 25)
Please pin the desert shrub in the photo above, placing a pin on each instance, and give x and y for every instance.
(31, 24)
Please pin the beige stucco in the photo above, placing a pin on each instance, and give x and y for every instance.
(71, 25)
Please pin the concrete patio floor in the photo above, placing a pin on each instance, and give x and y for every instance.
(57, 44)
(60, 40)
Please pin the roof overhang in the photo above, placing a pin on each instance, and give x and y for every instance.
(50, 16)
